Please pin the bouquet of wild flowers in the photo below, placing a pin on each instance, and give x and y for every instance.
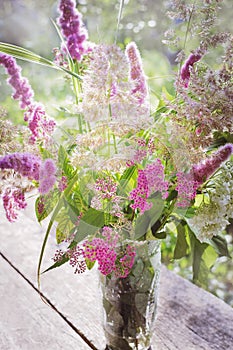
(121, 174)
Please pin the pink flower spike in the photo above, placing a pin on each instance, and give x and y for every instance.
(187, 66)
(13, 201)
(202, 171)
(137, 73)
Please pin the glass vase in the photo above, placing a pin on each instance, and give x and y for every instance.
(130, 303)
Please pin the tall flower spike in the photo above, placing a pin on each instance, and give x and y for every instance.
(73, 30)
(136, 73)
(187, 66)
(202, 171)
(39, 124)
(22, 89)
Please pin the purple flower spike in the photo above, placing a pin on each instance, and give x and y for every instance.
(26, 164)
(73, 30)
(185, 69)
(136, 73)
(22, 89)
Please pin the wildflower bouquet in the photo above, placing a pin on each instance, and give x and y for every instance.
(118, 173)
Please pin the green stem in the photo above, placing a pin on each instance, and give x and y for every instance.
(55, 212)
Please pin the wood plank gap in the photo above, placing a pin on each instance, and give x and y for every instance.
(49, 303)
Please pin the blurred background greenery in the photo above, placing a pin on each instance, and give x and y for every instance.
(28, 23)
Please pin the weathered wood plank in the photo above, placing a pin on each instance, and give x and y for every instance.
(26, 322)
(188, 317)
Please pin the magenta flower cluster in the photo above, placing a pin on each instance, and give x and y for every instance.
(105, 251)
(137, 73)
(188, 183)
(26, 164)
(186, 188)
(106, 187)
(73, 30)
(47, 176)
(187, 66)
(150, 180)
(13, 201)
(62, 183)
(22, 89)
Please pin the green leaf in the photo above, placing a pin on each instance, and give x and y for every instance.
(89, 224)
(203, 258)
(127, 181)
(29, 56)
(220, 245)
(89, 264)
(61, 262)
(64, 163)
(149, 218)
(182, 246)
(45, 204)
(64, 227)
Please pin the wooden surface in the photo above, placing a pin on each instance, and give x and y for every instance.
(188, 317)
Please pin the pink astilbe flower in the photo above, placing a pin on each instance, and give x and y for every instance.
(150, 180)
(110, 257)
(187, 66)
(156, 178)
(202, 171)
(26, 164)
(40, 126)
(106, 187)
(47, 176)
(77, 260)
(13, 201)
(99, 250)
(137, 73)
(186, 188)
(62, 184)
(73, 30)
(140, 194)
(22, 89)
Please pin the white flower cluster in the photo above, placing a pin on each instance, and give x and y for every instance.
(212, 218)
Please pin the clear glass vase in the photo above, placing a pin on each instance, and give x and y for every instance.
(130, 303)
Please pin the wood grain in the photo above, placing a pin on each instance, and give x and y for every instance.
(188, 317)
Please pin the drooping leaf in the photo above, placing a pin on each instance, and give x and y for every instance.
(203, 257)
(89, 224)
(220, 245)
(149, 218)
(182, 246)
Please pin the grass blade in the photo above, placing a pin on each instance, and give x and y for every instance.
(119, 19)
(29, 56)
